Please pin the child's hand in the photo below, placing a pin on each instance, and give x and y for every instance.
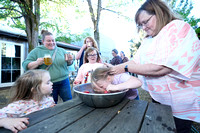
(108, 65)
(14, 124)
(53, 105)
(97, 89)
(76, 83)
(112, 87)
(84, 46)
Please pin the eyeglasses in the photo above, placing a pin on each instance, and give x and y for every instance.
(140, 26)
(91, 55)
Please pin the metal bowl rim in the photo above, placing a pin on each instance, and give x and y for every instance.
(100, 94)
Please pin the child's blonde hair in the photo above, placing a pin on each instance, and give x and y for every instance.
(100, 73)
(27, 86)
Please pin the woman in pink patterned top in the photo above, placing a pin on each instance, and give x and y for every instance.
(32, 90)
(168, 62)
(91, 59)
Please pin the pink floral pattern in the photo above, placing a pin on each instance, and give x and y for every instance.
(22, 107)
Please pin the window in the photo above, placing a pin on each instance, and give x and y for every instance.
(10, 63)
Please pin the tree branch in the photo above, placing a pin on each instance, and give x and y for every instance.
(99, 10)
(17, 17)
(13, 21)
(91, 11)
(118, 13)
(12, 9)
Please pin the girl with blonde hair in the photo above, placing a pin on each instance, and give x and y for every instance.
(103, 81)
(31, 93)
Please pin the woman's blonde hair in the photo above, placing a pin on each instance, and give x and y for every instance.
(45, 33)
(94, 44)
(89, 50)
(27, 86)
(100, 73)
(159, 8)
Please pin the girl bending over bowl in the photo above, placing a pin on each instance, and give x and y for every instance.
(102, 82)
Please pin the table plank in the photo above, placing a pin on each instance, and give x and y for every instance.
(59, 121)
(127, 115)
(49, 112)
(38, 116)
(158, 119)
(94, 121)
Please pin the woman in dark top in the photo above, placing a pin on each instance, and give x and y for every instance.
(124, 58)
(88, 42)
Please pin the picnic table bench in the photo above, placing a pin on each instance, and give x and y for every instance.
(129, 116)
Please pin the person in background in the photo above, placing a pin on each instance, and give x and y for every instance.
(133, 74)
(88, 42)
(102, 81)
(91, 59)
(73, 68)
(116, 58)
(168, 62)
(58, 67)
(31, 93)
(131, 58)
(124, 58)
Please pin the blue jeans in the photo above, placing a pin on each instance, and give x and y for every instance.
(62, 88)
(137, 98)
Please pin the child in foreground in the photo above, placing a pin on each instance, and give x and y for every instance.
(32, 90)
(102, 81)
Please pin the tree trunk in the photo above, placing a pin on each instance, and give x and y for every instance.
(31, 14)
(95, 21)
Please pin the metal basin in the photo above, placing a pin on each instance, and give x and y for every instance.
(93, 99)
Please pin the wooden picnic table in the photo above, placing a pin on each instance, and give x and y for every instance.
(129, 116)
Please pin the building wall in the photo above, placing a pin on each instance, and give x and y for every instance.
(20, 39)
(21, 42)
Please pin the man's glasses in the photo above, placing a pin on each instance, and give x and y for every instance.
(140, 26)
(91, 55)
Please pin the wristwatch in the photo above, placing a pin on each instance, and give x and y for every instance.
(126, 68)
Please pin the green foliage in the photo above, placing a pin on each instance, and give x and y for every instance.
(198, 32)
(18, 24)
(10, 9)
(12, 13)
(134, 46)
(64, 39)
(184, 9)
(71, 38)
(52, 17)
